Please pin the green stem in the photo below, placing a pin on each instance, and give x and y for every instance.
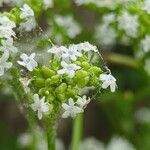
(77, 132)
(120, 59)
(22, 98)
(51, 134)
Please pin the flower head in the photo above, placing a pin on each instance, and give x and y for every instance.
(108, 80)
(68, 69)
(70, 109)
(28, 61)
(39, 105)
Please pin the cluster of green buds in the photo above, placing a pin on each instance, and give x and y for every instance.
(72, 71)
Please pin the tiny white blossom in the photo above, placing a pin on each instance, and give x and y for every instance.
(70, 109)
(6, 22)
(86, 46)
(108, 80)
(145, 44)
(28, 61)
(57, 51)
(6, 27)
(83, 101)
(4, 64)
(28, 25)
(68, 69)
(129, 23)
(147, 6)
(72, 53)
(39, 105)
(7, 46)
(26, 12)
(6, 32)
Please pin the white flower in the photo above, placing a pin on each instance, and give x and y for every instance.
(71, 27)
(118, 143)
(145, 44)
(91, 144)
(28, 25)
(48, 3)
(28, 61)
(7, 46)
(6, 22)
(108, 80)
(83, 101)
(40, 105)
(105, 35)
(6, 27)
(68, 69)
(4, 64)
(26, 12)
(86, 46)
(129, 23)
(70, 109)
(147, 6)
(58, 51)
(72, 53)
(6, 32)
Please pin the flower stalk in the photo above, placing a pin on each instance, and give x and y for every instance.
(77, 132)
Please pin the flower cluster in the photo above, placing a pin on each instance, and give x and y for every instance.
(71, 70)
(6, 34)
(129, 26)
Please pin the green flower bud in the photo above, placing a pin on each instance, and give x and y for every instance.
(78, 63)
(61, 91)
(39, 82)
(71, 92)
(85, 65)
(95, 70)
(94, 81)
(55, 64)
(47, 73)
(82, 78)
(50, 97)
(36, 73)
